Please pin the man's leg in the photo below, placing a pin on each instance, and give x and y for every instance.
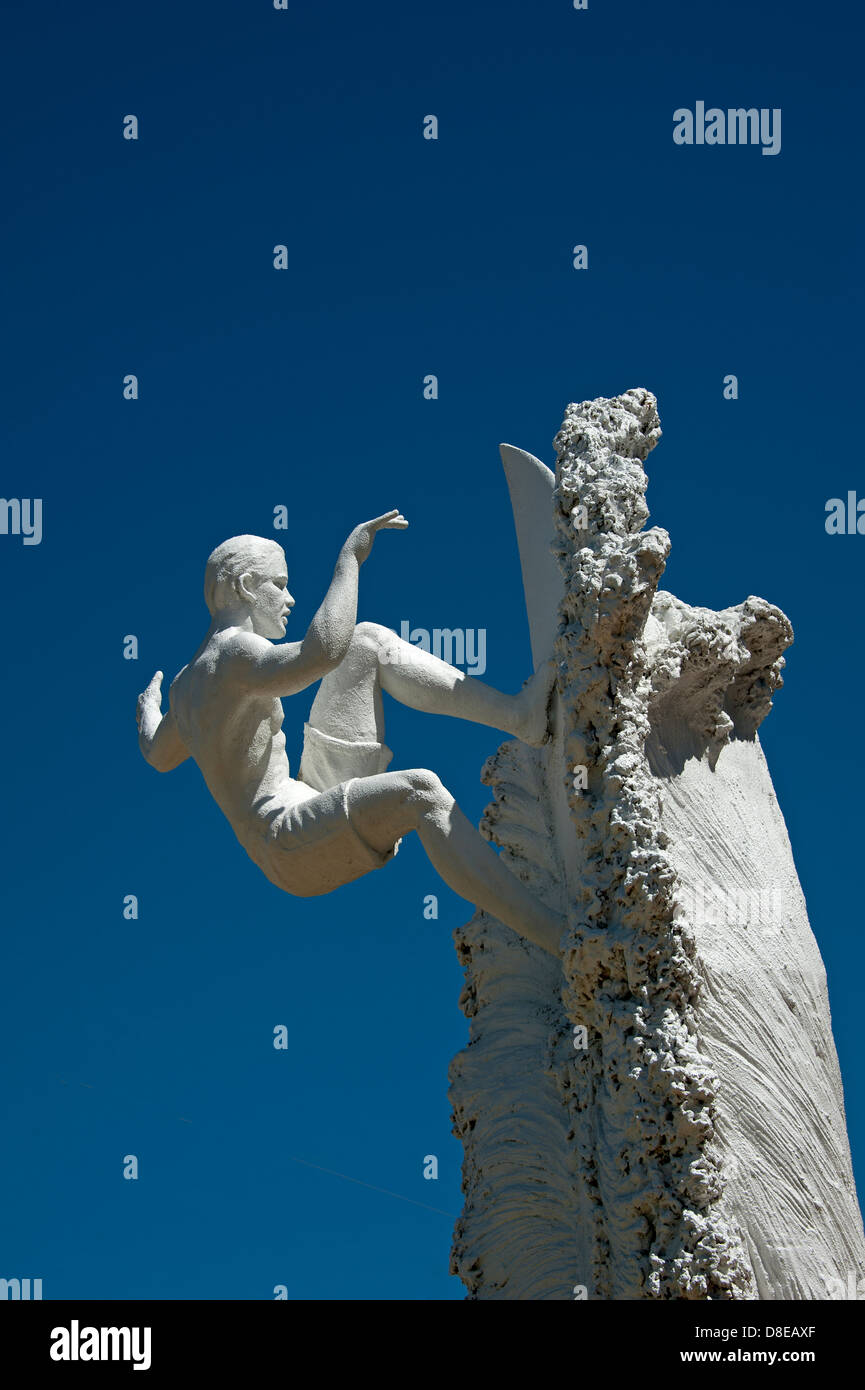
(349, 705)
(385, 807)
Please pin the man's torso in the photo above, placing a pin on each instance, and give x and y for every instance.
(235, 736)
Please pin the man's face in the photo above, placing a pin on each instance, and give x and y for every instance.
(272, 602)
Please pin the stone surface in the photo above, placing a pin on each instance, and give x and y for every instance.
(696, 1146)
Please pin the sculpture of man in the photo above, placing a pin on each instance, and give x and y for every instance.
(344, 814)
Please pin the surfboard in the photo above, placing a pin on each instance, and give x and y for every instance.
(531, 484)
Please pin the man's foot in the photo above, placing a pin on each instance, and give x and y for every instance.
(534, 705)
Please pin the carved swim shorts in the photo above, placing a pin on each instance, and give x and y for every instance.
(311, 845)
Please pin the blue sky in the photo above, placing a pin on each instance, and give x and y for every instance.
(304, 388)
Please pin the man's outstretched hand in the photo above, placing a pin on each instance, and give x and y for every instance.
(148, 711)
(359, 543)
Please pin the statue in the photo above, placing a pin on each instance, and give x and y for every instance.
(650, 1103)
(658, 1114)
(344, 815)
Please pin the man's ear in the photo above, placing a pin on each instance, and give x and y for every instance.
(243, 584)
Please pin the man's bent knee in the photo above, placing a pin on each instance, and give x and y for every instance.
(399, 800)
(372, 637)
(425, 787)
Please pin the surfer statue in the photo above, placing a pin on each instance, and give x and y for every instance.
(344, 814)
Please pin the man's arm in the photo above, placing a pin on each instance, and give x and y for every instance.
(158, 736)
(292, 666)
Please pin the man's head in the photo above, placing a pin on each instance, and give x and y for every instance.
(247, 576)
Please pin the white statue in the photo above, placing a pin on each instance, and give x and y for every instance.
(675, 1115)
(675, 1112)
(344, 814)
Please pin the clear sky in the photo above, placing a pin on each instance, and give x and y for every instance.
(303, 388)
